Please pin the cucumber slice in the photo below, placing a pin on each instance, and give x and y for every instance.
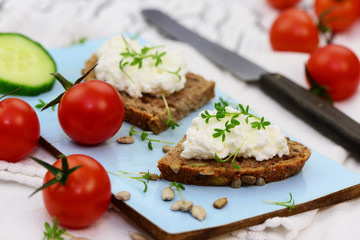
(24, 62)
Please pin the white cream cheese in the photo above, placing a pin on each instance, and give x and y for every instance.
(261, 144)
(151, 79)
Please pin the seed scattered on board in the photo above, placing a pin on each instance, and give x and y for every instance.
(176, 206)
(152, 176)
(220, 203)
(167, 194)
(126, 140)
(198, 212)
(123, 195)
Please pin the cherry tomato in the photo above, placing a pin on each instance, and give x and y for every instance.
(342, 13)
(19, 129)
(337, 68)
(91, 112)
(282, 4)
(84, 198)
(293, 30)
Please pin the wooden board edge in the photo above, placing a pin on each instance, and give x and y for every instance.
(48, 147)
(158, 233)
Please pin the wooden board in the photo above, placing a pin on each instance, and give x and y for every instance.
(158, 233)
(314, 187)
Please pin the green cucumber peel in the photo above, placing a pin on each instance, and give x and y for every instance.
(24, 62)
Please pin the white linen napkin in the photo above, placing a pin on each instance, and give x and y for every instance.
(26, 171)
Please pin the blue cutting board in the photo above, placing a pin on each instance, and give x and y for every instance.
(320, 183)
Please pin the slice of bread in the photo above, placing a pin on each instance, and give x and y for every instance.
(149, 113)
(173, 167)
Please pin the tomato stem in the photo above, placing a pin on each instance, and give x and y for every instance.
(66, 85)
(61, 174)
(7, 94)
(318, 89)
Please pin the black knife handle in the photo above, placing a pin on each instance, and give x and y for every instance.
(318, 113)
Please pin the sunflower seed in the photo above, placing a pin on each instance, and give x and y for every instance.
(220, 203)
(123, 195)
(125, 140)
(198, 212)
(167, 194)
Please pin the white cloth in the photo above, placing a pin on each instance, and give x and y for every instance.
(240, 26)
(26, 171)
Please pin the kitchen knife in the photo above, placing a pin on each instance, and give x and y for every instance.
(315, 111)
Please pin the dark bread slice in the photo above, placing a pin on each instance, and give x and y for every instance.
(149, 113)
(173, 167)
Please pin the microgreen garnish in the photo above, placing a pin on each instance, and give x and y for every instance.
(232, 156)
(61, 175)
(54, 232)
(133, 58)
(144, 178)
(222, 113)
(144, 137)
(42, 104)
(224, 102)
(170, 122)
(176, 73)
(179, 187)
(289, 204)
(122, 65)
(79, 41)
(221, 132)
(228, 104)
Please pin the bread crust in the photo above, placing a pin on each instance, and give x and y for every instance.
(212, 173)
(149, 112)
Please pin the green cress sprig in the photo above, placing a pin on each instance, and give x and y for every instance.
(134, 58)
(137, 60)
(179, 187)
(170, 122)
(222, 113)
(144, 178)
(144, 136)
(53, 232)
(42, 104)
(289, 204)
(79, 41)
(232, 156)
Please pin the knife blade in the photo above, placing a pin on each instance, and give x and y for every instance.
(318, 113)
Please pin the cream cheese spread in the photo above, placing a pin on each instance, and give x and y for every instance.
(151, 79)
(246, 141)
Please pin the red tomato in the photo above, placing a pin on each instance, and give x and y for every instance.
(343, 13)
(336, 67)
(85, 196)
(282, 4)
(293, 30)
(19, 129)
(91, 112)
